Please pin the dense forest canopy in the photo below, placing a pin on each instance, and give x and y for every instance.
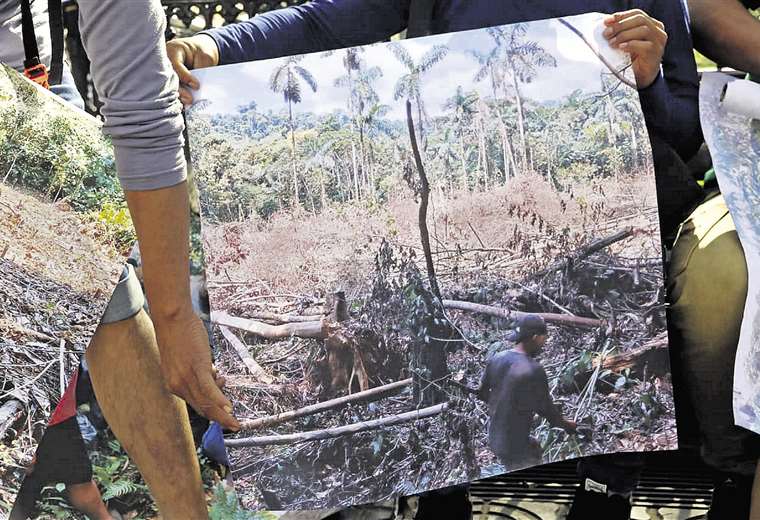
(259, 160)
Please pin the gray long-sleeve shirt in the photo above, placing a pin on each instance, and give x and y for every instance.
(134, 78)
(125, 42)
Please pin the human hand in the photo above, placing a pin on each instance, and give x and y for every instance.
(195, 52)
(641, 36)
(187, 369)
(570, 426)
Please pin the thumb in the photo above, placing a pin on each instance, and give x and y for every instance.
(178, 57)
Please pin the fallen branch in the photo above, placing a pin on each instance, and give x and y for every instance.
(10, 413)
(249, 383)
(280, 318)
(587, 251)
(7, 324)
(340, 431)
(373, 394)
(651, 358)
(308, 329)
(242, 349)
(499, 312)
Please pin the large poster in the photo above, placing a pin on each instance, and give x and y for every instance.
(64, 235)
(730, 114)
(431, 261)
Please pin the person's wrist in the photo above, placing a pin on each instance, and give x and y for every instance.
(209, 50)
(172, 312)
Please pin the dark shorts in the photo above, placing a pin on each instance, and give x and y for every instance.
(62, 456)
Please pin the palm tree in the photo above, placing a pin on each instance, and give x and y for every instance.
(409, 86)
(520, 59)
(463, 106)
(362, 97)
(285, 80)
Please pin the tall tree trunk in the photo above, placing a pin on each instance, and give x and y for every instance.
(423, 138)
(465, 184)
(508, 145)
(356, 171)
(429, 352)
(293, 153)
(520, 116)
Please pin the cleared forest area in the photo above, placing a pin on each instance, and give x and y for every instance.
(364, 263)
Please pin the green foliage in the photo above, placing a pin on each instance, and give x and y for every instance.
(54, 151)
(118, 223)
(247, 168)
(225, 506)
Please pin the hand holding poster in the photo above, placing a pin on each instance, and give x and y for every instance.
(431, 261)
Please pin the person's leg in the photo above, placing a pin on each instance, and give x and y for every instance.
(87, 499)
(707, 288)
(151, 423)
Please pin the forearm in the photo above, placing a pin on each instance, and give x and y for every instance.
(161, 219)
(725, 32)
(315, 26)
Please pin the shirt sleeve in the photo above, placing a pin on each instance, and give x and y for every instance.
(318, 25)
(484, 392)
(671, 103)
(545, 405)
(138, 88)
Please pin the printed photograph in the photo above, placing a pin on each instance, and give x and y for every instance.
(431, 261)
(730, 113)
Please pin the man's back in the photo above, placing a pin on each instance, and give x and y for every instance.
(515, 388)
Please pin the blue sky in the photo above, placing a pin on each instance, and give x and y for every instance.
(230, 86)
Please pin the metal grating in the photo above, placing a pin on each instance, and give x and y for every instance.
(670, 481)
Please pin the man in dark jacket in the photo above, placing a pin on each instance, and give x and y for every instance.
(516, 389)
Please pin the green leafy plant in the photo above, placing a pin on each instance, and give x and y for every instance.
(225, 506)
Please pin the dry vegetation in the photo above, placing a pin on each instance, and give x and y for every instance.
(56, 277)
(490, 248)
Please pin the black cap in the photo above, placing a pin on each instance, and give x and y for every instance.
(526, 326)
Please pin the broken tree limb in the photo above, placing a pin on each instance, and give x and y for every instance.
(589, 250)
(242, 350)
(424, 197)
(280, 318)
(10, 413)
(307, 329)
(652, 357)
(373, 394)
(339, 431)
(499, 312)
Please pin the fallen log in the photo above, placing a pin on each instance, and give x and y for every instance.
(499, 312)
(308, 329)
(373, 394)
(340, 431)
(651, 358)
(280, 318)
(10, 413)
(242, 350)
(589, 250)
(249, 383)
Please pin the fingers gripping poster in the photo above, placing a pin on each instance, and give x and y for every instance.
(730, 114)
(431, 261)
